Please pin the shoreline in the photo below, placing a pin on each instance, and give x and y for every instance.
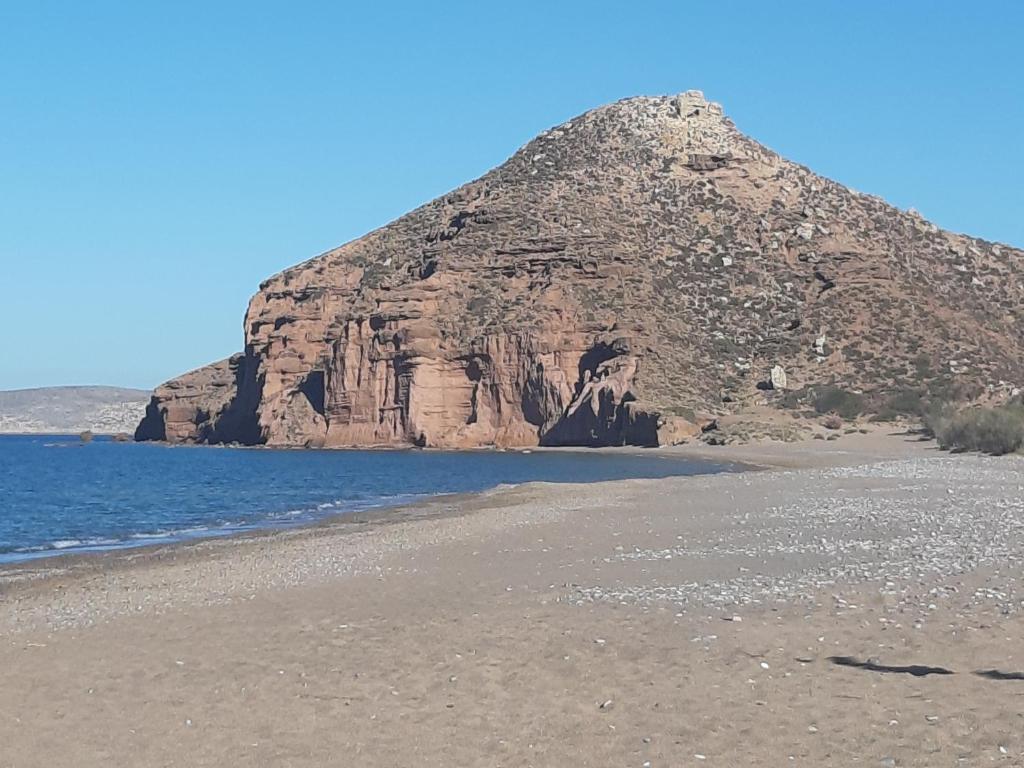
(62, 566)
(13, 563)
(745, 457)
(85, 564)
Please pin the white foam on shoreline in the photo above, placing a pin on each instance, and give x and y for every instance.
(288, 519)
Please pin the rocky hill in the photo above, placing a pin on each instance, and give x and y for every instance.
(68, 410)
(620, 279)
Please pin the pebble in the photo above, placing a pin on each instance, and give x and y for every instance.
(902, 530)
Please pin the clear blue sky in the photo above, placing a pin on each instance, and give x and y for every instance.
(157, 160)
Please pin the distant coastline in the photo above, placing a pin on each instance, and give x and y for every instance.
(71, 410)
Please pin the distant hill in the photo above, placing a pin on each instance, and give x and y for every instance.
(71, 409)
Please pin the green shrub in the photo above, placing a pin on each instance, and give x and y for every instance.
(937, 418)
(830, 399)
(989, 430)
(906, 402)
(945, 389)
(793, 398)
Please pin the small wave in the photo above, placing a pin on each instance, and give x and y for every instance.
(171, 533)
(65, 543)
(286, 519)
(342, 506)
(500, 487)
(59, 544)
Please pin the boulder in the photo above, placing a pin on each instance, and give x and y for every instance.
(778, 378)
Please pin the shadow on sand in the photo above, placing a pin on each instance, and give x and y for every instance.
(995, 674)
(917, 670)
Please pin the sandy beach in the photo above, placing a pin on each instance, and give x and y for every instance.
(852, 602)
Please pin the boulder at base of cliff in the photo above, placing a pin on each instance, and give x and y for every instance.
(673, 430)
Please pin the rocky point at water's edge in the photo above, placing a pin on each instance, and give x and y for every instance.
(621, 279)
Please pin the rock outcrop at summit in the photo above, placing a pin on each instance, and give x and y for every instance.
(623, 272)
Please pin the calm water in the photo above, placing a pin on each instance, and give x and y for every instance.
(58, 495)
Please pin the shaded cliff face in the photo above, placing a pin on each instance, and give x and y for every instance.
(621, 272)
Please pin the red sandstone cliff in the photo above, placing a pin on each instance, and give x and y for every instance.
(621, 272)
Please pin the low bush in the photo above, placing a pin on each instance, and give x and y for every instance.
(905, 402)
(989, 430)
(829, 399)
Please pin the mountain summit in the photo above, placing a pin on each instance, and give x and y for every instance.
(624, 271)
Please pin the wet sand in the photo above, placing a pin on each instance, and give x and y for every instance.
(685, 621)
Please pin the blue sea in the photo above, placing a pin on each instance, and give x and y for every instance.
(59, 495)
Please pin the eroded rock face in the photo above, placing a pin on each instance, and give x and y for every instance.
(208, 405)
(641, 261)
